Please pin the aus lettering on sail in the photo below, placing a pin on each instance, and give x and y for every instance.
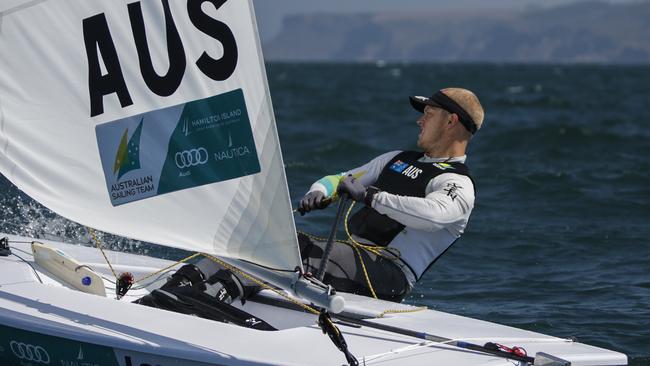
(101, 50)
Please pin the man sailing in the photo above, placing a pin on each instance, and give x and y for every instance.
(416, 203)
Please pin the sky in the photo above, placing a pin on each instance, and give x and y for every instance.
(271, 12)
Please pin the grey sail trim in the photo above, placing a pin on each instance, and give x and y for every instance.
(269, 104)
(268, 108)
(258, 230)
(268, 198)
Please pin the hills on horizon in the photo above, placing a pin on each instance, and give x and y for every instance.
(590, 31)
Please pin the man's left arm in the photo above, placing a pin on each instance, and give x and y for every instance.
(366, 175)
(448, 202)
(327, 186)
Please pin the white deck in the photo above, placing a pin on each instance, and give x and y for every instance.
(146, 335)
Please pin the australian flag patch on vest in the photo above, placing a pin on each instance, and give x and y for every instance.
(405, 169)
(399, 166)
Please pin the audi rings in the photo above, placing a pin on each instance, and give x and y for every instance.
(30, 352)
(189, 158)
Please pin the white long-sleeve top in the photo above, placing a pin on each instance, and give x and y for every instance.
(432, 222)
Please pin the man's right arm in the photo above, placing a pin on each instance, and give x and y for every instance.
(447, 205)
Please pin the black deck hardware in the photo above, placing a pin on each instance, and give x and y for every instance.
(327, 326)
(5, 250)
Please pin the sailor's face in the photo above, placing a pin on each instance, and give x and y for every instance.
(431, 124)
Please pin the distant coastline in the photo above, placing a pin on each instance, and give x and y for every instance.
(584, 32)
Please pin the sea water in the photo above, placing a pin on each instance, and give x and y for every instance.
(558, 241)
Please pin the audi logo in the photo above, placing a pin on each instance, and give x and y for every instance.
(189, 158)
(29, 352)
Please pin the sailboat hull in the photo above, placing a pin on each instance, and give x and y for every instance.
(44, 321)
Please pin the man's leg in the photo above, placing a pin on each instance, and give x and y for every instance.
(345, 270)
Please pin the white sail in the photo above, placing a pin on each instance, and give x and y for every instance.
(149, 119)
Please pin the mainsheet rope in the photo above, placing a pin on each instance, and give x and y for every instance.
(324, 321)
(214, 259)
(357, 246)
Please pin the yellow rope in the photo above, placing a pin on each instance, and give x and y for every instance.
(282, 294)
(168, 267)
(214, 259)
(99, 246)
(396, 311)
(356, 249)
(318, 238)
(365, 272)
(377, 250)
(336, 329)
(260, 283)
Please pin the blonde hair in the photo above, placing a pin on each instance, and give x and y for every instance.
(469, 102)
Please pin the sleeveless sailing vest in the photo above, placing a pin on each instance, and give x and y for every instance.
(403, 175)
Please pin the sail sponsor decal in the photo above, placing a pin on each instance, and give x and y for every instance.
(132, 358)
(21, 347)
(29, 352)
(128, 153)
(179, 147)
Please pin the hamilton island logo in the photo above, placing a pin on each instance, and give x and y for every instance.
(186, 127)
(205, 123)
(128, 153)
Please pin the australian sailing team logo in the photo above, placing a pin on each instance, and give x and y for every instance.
(128, 153)
(127, 159)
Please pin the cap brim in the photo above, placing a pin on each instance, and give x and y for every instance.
(419, 103)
